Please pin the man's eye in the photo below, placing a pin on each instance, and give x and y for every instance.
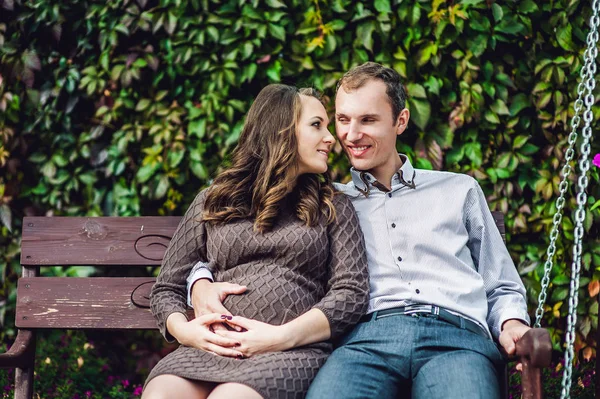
(368, 120)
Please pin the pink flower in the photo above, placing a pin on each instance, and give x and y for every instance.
(125, 383)
(596, 160)
(264, 59)
(138, 391)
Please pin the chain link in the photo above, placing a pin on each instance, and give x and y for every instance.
(584, 166)
(566, 169)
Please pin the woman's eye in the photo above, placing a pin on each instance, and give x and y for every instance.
(316, 124)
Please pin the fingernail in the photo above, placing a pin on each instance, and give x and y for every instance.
(223, 316)
(229, 317)
(240, 356)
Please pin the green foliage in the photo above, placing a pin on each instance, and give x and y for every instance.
(129, 107)
(68, 366)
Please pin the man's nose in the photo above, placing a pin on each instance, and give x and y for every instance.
(353, 132)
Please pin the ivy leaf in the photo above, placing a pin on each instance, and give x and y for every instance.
(497, 12)
(509, 26)
(527, 6)
(420, 111)
(145, 173)
(520, 102)
(6, 216)
(161, 187)
(277, 31)
(383, 6)
(365, 34)
(564, 37)
(416, 90)
(171, 23)
(499, 107)
(491, 117)
(276, 4)
(473, 152)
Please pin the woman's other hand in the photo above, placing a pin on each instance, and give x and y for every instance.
(198, 334)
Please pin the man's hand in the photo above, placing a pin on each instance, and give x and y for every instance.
(512, 331)
(207, 297)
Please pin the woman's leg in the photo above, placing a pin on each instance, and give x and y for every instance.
(171, 386)
(233, 390)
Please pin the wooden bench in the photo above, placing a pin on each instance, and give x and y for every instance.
(122, 303)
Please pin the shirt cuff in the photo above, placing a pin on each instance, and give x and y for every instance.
(199, 271)
(505, 315)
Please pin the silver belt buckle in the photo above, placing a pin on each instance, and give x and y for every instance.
(412, 309)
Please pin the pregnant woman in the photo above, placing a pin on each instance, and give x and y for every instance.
(273, 223)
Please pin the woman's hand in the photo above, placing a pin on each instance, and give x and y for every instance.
(198, 334)
(256, 337)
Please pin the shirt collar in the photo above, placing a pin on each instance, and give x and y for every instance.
(363, 180)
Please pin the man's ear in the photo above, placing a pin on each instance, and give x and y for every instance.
(402, 121)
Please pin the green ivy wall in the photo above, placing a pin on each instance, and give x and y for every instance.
(129, 107)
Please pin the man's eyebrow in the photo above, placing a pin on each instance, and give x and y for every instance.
(361, 116)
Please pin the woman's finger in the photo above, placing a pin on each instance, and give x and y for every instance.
(211, 318)
(218, 327)
(224, 351)
(238, 321)
(221, 341)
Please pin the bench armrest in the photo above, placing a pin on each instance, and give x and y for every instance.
(534, 351)
(20, 353)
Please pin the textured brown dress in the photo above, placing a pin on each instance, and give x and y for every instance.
(288, 271)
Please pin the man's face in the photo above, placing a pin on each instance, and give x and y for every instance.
(366, 129)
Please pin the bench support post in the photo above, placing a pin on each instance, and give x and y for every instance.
(24, 376)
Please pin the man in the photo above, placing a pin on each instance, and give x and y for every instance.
(442, 281)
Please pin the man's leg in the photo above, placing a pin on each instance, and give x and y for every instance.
(372, 361)
(458, 374)
(450, 362)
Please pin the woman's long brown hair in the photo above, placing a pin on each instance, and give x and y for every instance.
(264, 168)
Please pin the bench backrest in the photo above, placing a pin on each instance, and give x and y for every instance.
(113, 303)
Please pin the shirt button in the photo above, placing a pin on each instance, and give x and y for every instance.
(393, 225)
(390, 195)
(399, 259)
(418, 291)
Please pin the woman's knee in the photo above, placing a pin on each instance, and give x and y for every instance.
(234, 390)
(172, 386)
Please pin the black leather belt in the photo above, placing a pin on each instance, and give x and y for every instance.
(428, 311)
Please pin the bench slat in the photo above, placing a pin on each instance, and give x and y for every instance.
(91, 302)
(97, 241)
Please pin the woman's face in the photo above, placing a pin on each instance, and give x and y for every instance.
(314, 139)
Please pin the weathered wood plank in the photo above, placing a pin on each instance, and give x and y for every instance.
(95, 241)
(92, 303)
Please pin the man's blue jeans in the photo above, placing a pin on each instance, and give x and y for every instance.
(419, 357)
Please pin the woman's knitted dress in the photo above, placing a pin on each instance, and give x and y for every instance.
(288, 271)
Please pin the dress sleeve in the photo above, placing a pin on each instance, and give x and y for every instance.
(187, 247)
(347, 295)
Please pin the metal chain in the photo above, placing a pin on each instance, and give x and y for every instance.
(586, 75)
(584, 166)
